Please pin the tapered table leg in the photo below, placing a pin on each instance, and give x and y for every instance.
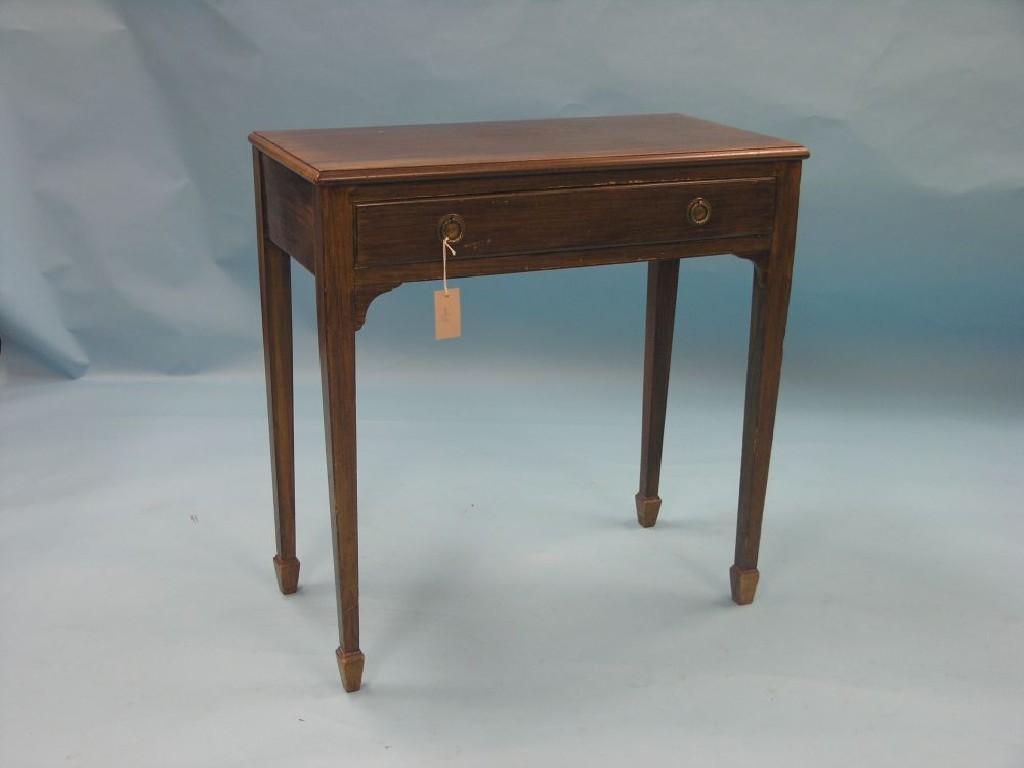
(662, 283)
(773, 276)
(276, 304)
(336, 323)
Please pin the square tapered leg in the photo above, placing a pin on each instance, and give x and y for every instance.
(276, 306)
(773, 277)
(662, 283)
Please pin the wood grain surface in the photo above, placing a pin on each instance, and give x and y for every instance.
(516, 146)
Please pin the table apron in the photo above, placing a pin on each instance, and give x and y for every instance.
(745, 247)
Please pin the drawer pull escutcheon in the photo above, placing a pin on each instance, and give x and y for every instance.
(451, 226)
(699, 211)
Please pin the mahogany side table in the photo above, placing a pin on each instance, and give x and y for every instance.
(366, 209)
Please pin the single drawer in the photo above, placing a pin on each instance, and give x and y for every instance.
(479, 226)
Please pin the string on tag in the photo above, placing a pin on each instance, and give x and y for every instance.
(445, 247)
(447, 311)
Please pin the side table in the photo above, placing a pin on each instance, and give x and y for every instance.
(366, 209)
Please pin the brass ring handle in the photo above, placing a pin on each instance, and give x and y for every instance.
(699, 211)
(451, 226)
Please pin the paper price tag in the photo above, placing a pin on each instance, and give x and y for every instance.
(447, 308)
(447, 314)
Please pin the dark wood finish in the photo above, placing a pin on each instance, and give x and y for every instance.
(466, 186)
(513, 223)
(361, 208)
(365, 293)
(337, 333)
(276, 305)
(662, 287)
(519, 146)
(773, 278)
(747, 247)
(289, 211)
(370, 283)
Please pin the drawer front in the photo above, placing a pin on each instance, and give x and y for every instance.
(407, 231)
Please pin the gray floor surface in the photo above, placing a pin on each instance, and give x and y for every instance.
(512, 611)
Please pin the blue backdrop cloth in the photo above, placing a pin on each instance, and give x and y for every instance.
(513, 613)
(126, 215)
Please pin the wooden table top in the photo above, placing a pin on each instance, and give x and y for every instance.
(515, 146)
